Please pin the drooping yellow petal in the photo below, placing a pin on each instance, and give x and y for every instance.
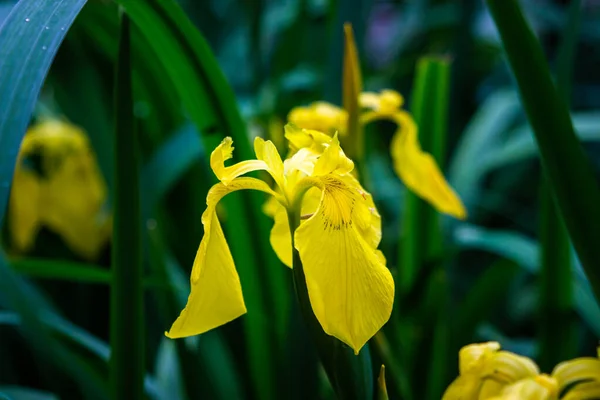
(505, 368)
(73, 195)
(540, 387)
(419, 171)
(351, 291)
(24, 209)
(579, 369)
(584, 391)
(65, 191)
(224, 152)
(465, 387)
(281, 237)
(216, 293)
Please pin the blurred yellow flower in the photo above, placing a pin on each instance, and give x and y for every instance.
(350, 288)
(417, 169)
(485, 372)
(320, 116)
(57, 184)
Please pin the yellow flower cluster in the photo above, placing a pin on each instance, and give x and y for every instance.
(417, 169)
(488, 373)
(57, 185)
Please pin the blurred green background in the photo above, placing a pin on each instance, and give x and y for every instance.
(487, 283)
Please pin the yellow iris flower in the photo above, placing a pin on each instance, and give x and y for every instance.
(485, 372)
(417, 169)
(350, 288)
(65, 192)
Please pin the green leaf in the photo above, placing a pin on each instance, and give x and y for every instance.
(63, 270)
(478, 142)
(23, 393)
(210, 103)
(421, 230)
(168, 164)
(31, 309)
(483, 296)
(126, 303)
(570, 175)
(556, 329)
(29, 40)
(525, 253)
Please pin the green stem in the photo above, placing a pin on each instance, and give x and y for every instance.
(351, 376)
(126, 334)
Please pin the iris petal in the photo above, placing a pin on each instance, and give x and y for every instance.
(216, 292)
(24, 217)
(419, 171)
(350, 289)
(224, 152)
(465, 387)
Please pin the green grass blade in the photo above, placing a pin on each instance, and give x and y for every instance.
(29, 40)
(126, 331)
(421, 232)
(557, 329)
(566, 165)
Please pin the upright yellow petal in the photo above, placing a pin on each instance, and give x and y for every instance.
(216, 292)
(419, 171)
(267, 153)
(224, 152)
(300, 138)
(332, 160)
(472, 358)
(351, 291)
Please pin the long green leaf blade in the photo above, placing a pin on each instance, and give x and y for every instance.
(566, 165)
(29, 40)
(557, 329)
(210, 103)
(126, 331)
(421, 231)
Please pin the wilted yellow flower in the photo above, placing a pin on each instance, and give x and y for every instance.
(485, 372)
(351, 290)
(57, 184)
